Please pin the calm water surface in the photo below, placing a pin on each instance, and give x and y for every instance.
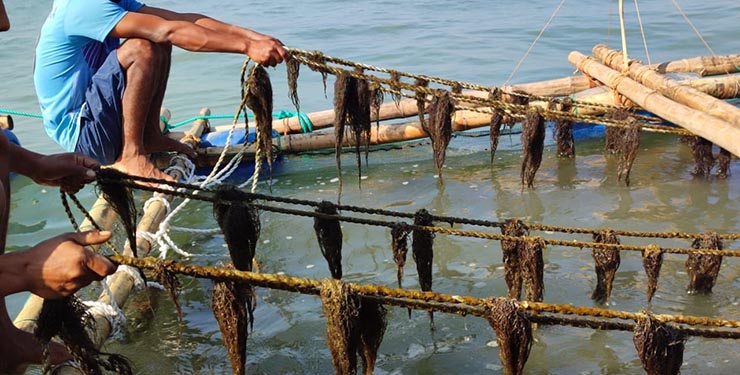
(478, 41)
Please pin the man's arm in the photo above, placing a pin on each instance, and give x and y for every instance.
(4, 21)
(70, 171)
(193, 37)
(207, 22)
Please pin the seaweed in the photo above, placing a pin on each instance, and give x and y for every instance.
(329, 235)
(703, 269)
(421, 83)
(628, 146)
(422, 248)
(513, 334)
(110, 185)
(704, 161)
(652, 261)
(563, 131)
(259, 100)
(232, 305)
(614, 134)
(372, 325)
(399, 235)
(318, 58)
(511, 251)
(361, 122)
(341, 310)
(293, 67)
(532, 268)
(439, 126)
(239, 222)
(659, 346)
(533, 145)
(497, 117)
(606, 265)
(395, 77)
(723, 163)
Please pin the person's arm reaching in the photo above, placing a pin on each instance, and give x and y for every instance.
(70, 171)
(55, 268)
(194, 37)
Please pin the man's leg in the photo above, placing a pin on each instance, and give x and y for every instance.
(141, 60)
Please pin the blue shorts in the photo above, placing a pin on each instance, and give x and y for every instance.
(101, 117)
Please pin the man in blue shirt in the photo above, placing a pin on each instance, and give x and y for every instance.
(101, 97)
(53, 268)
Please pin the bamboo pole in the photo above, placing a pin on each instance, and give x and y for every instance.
(709, 127)
(702, 65)
(669, 88)
(6, 122)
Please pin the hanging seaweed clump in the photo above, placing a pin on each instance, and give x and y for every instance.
(511, 251)
(421, 96)
(606, 264)
(513, 334)
(439, 126)
(563, 130)
(329, 235)
(659, 346)
(372, 325)
(497, 117)
(68, 319)
(723, 163)
(703, 268)
(233, 309)
(518, 102)
(293, 67)
(171, 284)
(628, 146)
(377, 97)
(111, 186)
(399, 236)
(395, 81)
(259, 100)
(422, 248)
(361, 121)
(239, 222)
(652, 261)
(704, 161)
(341, 309)
(532, 268)
(345, 102)
(533, 144)
(318, 58)
(613, 134)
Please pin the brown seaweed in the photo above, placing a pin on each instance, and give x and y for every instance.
(723, 163)
(628, 146)
(533, 145)
(372, 325)
(318, 58)
(121, 199)
(341, 310)
(68, 319)
(421, 99)
(606, 265)
(563, 131)
(703, 269)
(497, 117)
(233, 309)
(652, 261)
(532, 269)
(395, 77)
(704, 161)
(293, 68)
(439, 126)
(513, 334)
(659, 346)
(345, 90)
(423, 251)
(361, 122)
(239, 222)
(259, 100)
(171, 284)
(399, 235)
(613, 134)
(518, 102)
(511, 251)
(329, 235)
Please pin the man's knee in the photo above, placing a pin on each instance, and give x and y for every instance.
(141, 50)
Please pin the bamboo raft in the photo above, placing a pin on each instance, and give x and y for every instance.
(690, 104)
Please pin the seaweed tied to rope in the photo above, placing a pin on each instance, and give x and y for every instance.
(563, 130)
(606, 262)
(422, 248)
(329, 235)
(513, 334)
(659, 346)
(421, 99)
(439, 126)
(395, 77)
(703, 269)
(372, 325)
(259, 100)
(293, 68)
(341, 310)
(239, 222)
(399, 239)
(511, 251)
(532, 268)
(629, 143)
(533, 145)
(652, 261)
(613, 134)
(233, 308)
(497, 117)
(723, 163)
(704, 161)
(110, 185)
(361, 122)
(68, 319)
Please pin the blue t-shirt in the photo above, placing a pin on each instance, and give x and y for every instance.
(73, 44)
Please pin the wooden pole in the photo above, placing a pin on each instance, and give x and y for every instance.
(709, 127)
(683, 94)
(702, 65)
(623, 32)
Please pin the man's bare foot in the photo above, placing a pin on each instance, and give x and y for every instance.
(19, 348)
(140, 165)
(163, 143)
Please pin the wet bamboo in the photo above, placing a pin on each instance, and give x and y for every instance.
(683, 94)
(702, 65)
(6, 122)
(122, 284)
(709, 127)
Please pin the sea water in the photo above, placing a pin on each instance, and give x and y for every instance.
(475, 41)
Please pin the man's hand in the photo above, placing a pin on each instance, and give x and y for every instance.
(268, 51)
(61, 265)
(70, 171)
